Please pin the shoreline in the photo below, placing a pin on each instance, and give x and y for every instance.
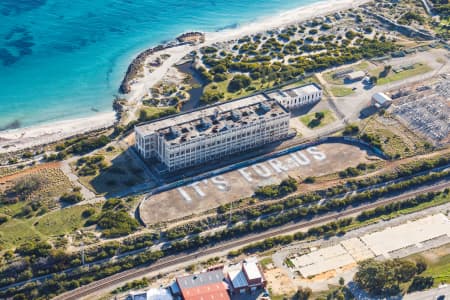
(21, 138)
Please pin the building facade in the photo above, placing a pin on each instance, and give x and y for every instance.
(297, 97)
(213, 132)
(246, 277)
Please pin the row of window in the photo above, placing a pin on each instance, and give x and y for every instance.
(244, 139)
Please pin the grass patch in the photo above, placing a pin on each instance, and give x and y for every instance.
(396, 141)
(222, 88)
(289, 263)
(308, 120)
(439, 270)
(56, 223)
(341, 91)
(118, 172)
(63, 221)
(438, 262)
(265, 262)
(304, 81)
(417, 69)
(12, 209)
(17, 231)
(148, 113)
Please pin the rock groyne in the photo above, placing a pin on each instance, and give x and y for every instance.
(138, 63)
(135, 67)
(192, 37)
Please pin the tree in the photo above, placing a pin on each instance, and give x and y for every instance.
(421, 266)
(384, 278)
(341, 281)
(303, 293)
(239, 82)
(220, 77)
(420, 283)
(405, 270)
(373, 80)
(386, 70)
(320, 115)
(351, 129)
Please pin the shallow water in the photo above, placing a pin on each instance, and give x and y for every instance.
(65, 59)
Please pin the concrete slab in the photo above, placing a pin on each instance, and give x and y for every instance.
(214, 191)
(408, 234)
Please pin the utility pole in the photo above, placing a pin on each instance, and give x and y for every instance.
(80, 233)
(231, 213)
(82, 253)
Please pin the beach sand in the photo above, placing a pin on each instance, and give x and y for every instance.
(284, 19)
(22, 138)
(17, 139)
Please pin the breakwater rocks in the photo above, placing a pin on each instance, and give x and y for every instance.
(192, 37)
(137, 65)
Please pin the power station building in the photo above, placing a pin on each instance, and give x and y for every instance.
(219, 130)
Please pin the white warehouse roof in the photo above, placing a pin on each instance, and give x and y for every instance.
(295, 92)
(153, 294)
(252, 270)
(381, 99)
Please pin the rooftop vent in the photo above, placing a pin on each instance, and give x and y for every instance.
(235, 115)
(174, 131)
(204, 124)
(264, 107)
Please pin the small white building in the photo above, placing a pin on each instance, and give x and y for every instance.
(246, 277)
(151, 294)
(381, 100)
(298, 96)
(355, 76)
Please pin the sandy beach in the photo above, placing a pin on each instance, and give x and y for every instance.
(283, 19)
(22, 138)
(17, 139)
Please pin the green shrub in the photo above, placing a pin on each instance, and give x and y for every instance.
(238, 82)
(72, 197)
(117, 223)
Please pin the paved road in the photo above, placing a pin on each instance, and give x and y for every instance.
(433, 294)
(183, 258)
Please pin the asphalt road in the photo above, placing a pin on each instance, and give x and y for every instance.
(186, 257)
(433, 294)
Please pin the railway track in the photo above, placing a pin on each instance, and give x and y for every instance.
(174, 260)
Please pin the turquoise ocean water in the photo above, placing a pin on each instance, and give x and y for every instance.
(64, 59)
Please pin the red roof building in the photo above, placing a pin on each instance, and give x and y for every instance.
(209, 285)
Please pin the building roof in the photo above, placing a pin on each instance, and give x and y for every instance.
(195, 280)
(140, 296)
(381, 98)
(213, 119)
(213, 291)
(204, 286)
(237, 278)
(300, 91)
(252, 270)
(152, 294)
(355, 75)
